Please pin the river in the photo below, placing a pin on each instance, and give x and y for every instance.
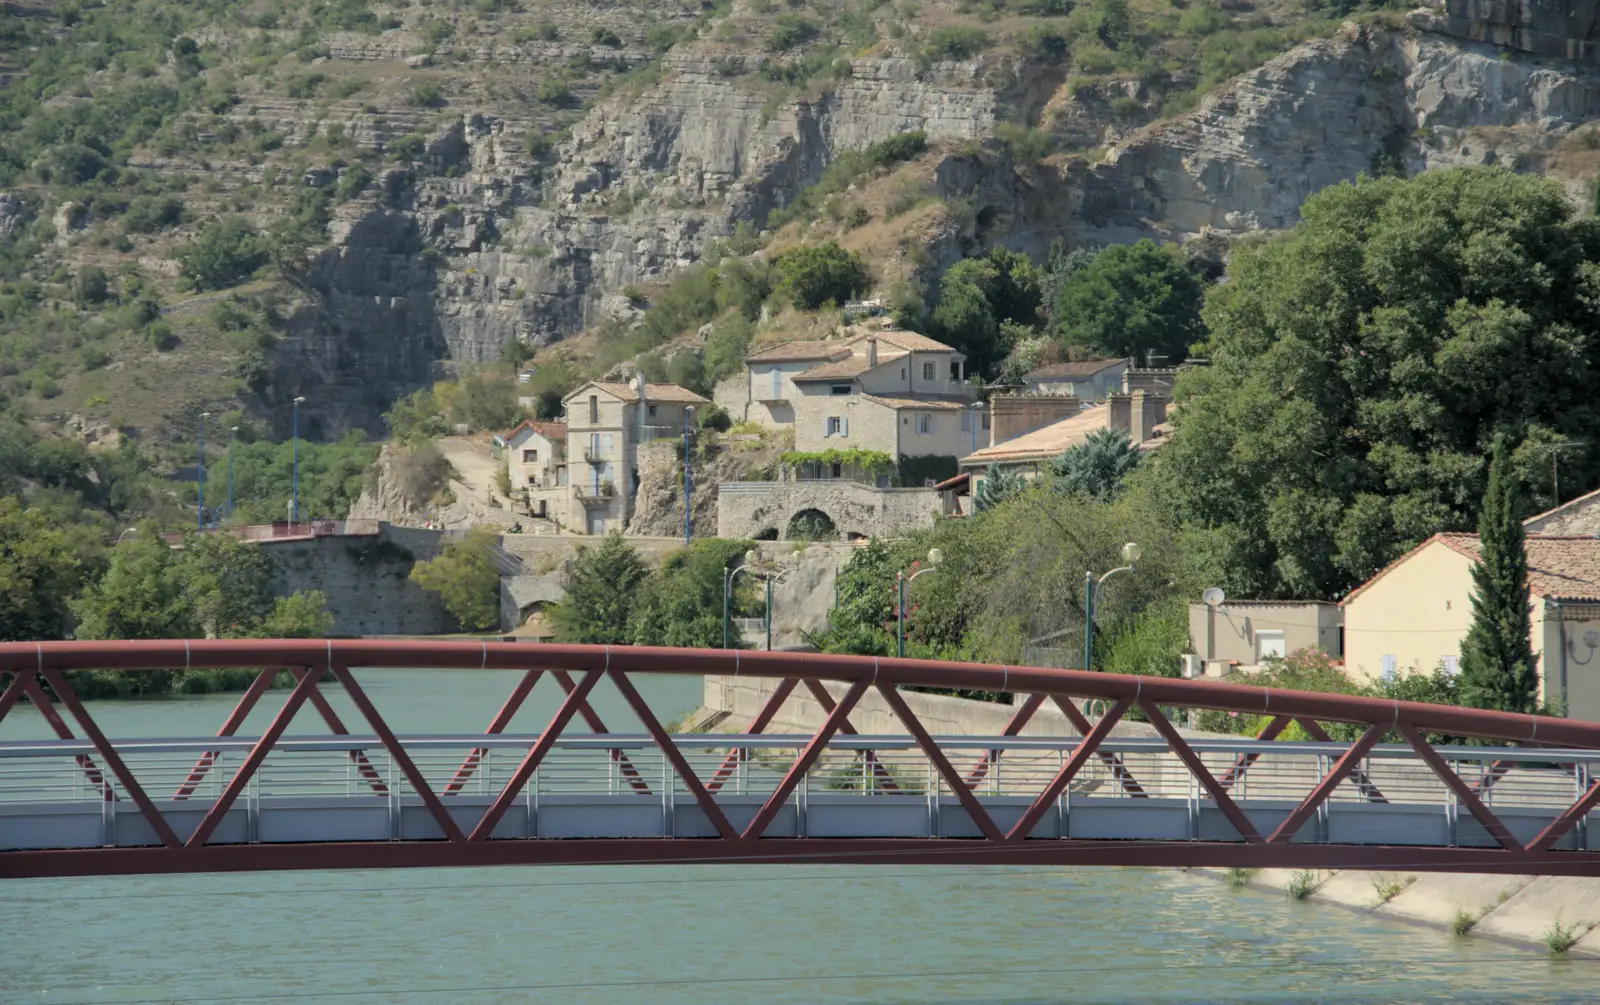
(726, 935)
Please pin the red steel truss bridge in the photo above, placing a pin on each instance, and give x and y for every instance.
(1132, 788)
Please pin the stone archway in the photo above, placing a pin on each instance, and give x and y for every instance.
(765, 534)
(811, 525)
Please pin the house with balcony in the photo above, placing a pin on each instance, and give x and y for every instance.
(535, 454)
(606, 425)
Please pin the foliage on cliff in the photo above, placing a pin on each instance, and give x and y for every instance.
(1362, 365)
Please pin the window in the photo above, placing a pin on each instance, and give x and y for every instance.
(594, 444)
(650, 410)
(927, 370)
(838, 470)
(902, 373)
(839, 389)
(777, 384)
(605, 444)
(529, 456)
(1386, 666)
(834, 426)
(1452, 664)
(985, 420)
(955, 371)
(594, 410)
(924, 423)
(966, 421)
(1270, 645)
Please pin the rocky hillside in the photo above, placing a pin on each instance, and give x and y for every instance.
(424, 185)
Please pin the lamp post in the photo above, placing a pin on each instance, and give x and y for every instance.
(688, 518)
(200, 476)
(728, 576)
(902, 582)
(1091, 586)
(232, 431)
(778, 578)
(294, 490)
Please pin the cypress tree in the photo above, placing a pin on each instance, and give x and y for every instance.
(1497, 669)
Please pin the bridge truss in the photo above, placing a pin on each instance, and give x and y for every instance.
(1524, 799)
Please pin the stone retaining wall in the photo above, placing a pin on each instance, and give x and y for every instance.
(747, 509)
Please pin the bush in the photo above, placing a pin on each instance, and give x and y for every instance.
(605, 37)
(227, 252)
(716, 418)
(149, 213)
(408, 147)
(812, 275)
(954, 42)
(426, 95)
(467, 580)
(790, 30)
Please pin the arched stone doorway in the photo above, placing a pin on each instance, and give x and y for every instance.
(811, 525)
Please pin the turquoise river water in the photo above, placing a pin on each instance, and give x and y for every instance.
(708, 935)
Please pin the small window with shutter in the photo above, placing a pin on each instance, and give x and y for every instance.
(928, 370)
(833, 426)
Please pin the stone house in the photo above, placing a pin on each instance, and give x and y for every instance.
(1241, 634)
(1576, 516)
(536, 462)
(606, 424)
(1413, 615)
(1086, 380)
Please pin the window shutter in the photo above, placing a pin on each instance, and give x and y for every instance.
(825, 433)
(844, 425)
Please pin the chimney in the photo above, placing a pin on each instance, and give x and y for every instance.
(1011, 415)
(1149, 410)
(872, 352)
(1121, 413)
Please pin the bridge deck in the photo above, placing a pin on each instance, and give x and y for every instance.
(350, 789)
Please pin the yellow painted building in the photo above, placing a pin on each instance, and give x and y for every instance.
(1414, 615)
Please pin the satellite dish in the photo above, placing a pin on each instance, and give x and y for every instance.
(1213, 597)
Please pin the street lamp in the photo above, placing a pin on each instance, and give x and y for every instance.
(728, 575)
(232, 430)
(688, 519)
(772, 578)
(294, 497)
(1091, 586)
(902, 582)
(200, 475)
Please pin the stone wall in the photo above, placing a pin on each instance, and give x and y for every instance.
(366, 579)
(747, 509)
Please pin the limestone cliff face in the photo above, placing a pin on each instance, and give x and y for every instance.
(644, 182)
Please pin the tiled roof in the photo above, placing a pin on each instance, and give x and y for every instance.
(1563, 568)
(839, 369)
(922, 401)
(1044, 443)
(1078, 368)
(909, 341)
(549, 430)
(1583, 502)
(652, 392)
(798, 351)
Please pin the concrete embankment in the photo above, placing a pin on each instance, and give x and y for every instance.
(1523, 910)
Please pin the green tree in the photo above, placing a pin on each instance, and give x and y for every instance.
(1097, 466)
(43, 564)
(978, 297)
(227, 251)
(466, 577)
(1133, 299)
(141, 596)
(681, 603)
(301, 615)
(998, 485)
(1362, 365)
(1497, 668)
(601, 586)
(814, 274)
(727, 346)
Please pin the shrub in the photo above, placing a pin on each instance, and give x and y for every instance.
(812, 275)
(790, 30)
(605, 37)
(1561, 938)
(426, 95)
(954, 42)
(466, 578)
(227, 251)
(554, 91)
(408, 147)
(149, 213)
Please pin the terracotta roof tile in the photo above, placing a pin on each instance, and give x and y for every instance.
(548, 430)
(850, 366)
(1564, 568)
(1078, 368)
(909, 341)
(1043, 443)
(926, 401)
(652, 392)
(799, 351)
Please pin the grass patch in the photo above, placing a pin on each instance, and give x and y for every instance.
(1389, 887)
(1561, 938)
(1462, 921)
(1240, 877)
(1303, 884)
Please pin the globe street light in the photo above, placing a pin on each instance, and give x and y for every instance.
(750, 559)
(902, 582)
(200, 475)
(294, 497)
(1091, 586)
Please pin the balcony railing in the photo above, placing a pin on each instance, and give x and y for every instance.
(596, 495)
